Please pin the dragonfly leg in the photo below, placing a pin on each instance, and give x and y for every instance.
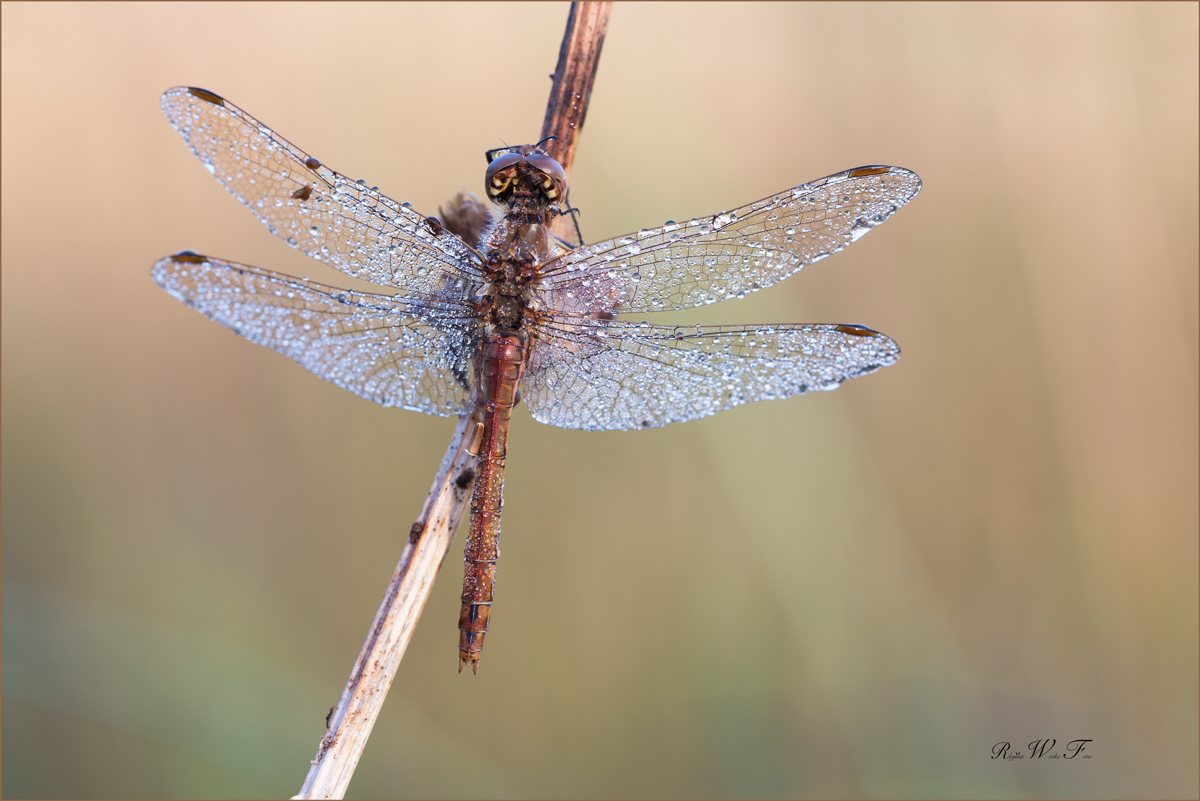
(574, 212)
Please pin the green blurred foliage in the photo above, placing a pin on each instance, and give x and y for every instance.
(846, 594)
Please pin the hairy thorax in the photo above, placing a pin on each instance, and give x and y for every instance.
(515, 249)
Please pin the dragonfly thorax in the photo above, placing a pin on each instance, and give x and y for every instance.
(515, 249)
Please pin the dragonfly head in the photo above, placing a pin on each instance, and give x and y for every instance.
(524, 175)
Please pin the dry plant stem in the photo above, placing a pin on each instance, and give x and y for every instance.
(350, 722)
(574, 76)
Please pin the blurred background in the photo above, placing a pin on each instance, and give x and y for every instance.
(856, 593)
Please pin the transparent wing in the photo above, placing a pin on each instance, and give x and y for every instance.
(682, 265)
(623, 375)
(406, 353)
(331, 218)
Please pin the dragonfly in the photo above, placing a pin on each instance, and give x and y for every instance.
(488, 307)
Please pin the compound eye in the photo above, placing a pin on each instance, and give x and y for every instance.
(550, 167)
(493, 181)
(502, 162)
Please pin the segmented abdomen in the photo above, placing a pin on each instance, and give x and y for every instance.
(505, 357)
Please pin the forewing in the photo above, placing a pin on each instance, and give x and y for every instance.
(331, 218)
(625, 375)
(682, 265)
(406, 353)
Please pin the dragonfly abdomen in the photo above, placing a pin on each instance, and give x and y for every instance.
(505, 356)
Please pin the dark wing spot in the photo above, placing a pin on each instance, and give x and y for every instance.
(303, 192)
(204, 94)
(435, 225)
(862, 172)
(856, 330)
(188, 257)
(311, 163)
(604, 315)
(460, 375)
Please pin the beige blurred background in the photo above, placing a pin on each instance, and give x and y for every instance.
(848, 594)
